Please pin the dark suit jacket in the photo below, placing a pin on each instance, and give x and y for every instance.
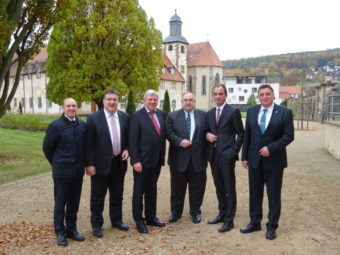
(230, 125)
(64, 147)
(145, 145)
(98, 143)
(279, 133)
(179, 157)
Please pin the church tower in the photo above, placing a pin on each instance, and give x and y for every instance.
(175, 45)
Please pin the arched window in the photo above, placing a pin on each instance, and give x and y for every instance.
(190, 84)
(217, 79)
(170, 48)
(204, 86)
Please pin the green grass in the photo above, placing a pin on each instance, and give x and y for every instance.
(21, 154)
(27, 121)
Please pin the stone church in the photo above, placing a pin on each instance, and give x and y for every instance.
(188, 67)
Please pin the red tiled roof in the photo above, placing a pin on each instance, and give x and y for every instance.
(202, 54)
(287, 91)
(41, 57)
(176, 76)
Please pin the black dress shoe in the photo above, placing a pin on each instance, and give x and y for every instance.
(250, 228)
(75, 236)
(97, 232)
(218, 219)
(61, 240)
(196, 218)
(120, 225)
(141, 227)
(226, 227)
(155, 222)
(173, 218)
(271, 234)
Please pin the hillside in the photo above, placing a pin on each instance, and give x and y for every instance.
(290, 68)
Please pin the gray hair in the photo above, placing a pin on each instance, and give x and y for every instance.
(150, 92)
(188, 92)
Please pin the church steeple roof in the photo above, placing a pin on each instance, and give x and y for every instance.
(175, 30)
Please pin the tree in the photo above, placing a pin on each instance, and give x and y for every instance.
(131, 107)
(166, 103)
(103, 44)
(251, 100)
(24, 27)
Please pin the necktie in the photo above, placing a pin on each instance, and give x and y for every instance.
(188, 124)
(115, 140)
(218, 115)
(263, 121)
(154, 122)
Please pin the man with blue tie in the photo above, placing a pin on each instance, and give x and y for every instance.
(269, 129)
(186, 130)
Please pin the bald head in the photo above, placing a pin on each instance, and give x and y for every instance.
(69, 107)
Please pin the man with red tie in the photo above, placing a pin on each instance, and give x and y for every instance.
(147, 151)
(106, 156)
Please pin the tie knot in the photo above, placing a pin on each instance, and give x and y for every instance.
(152, 112)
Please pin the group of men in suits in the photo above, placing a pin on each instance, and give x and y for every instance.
(195, 138)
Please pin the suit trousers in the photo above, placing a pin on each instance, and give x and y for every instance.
(272, 178)
(223, 172)
(114, 182)
(67, 194)
(145, 187)
(196, 182)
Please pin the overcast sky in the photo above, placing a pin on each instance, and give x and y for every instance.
(251, 28)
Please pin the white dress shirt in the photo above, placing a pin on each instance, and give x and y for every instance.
(108, 121)
(268, 114)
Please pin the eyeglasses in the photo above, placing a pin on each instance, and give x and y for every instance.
(111, 99)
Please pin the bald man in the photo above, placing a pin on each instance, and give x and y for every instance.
(64, 148)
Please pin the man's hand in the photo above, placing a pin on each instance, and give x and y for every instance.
(264, 152)
(125, 155)
(90, 170)
(137, 167)
(185, 143)
(211, 137)
(245, 163)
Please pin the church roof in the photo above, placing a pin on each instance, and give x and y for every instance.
(169, 72)
(202, 54)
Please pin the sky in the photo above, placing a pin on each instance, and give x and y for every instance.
(251, 28)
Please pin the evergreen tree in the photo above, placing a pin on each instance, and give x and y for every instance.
(166, 103)
(251, 100)
(131, 107)
(103, 44)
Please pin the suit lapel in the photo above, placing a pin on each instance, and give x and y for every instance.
(197, 124)
(104, 123)
(273, 117)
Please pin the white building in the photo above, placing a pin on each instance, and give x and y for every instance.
(241, 87)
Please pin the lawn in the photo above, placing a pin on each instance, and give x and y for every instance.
(21, 154)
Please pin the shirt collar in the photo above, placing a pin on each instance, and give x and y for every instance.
(67, 117)
(221, 107)
(108, 115)
(147, 110)
(270, 108)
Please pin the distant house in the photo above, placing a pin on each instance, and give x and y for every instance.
(289, 92)
(240, 87)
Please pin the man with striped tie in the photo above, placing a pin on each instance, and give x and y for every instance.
(186, 130)
(269, 129)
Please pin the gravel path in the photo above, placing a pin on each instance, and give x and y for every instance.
(310, 219)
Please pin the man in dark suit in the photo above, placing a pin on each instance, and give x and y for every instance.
(147, 150)
(64, 148)
(107, 154)
(186, 130)
(225, 136)
(269, 129)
